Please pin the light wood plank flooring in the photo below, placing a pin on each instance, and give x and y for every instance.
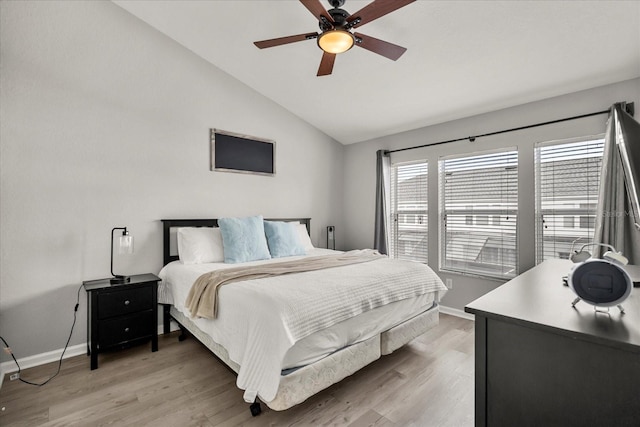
(429, 382)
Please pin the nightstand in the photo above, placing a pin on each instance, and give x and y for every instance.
(121, 315)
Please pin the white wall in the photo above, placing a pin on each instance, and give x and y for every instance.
(360, 167)
(105, 122)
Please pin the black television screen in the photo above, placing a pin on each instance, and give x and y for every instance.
(232, 152)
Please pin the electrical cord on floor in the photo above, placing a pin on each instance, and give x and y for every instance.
(8, 348)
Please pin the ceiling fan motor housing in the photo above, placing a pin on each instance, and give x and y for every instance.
(339, 17)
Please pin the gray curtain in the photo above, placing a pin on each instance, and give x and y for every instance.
(618, 212)
(383, 170)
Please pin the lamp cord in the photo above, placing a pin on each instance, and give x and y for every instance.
(8, 348)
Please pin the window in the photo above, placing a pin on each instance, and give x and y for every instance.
(468, 219)
(569, 221)
(567, 182)
(479, 186)
(409, 219)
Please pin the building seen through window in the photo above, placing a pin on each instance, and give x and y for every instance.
(409, 212)
(567, 183)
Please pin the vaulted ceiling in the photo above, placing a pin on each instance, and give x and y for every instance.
(463, 57)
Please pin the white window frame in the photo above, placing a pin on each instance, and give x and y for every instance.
(463, 214)
(414, 215)
(556, 231)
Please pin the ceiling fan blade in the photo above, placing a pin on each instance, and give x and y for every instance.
(326, 64)
(285, 40)
(316, 8)
(381, 47)
(375, 10)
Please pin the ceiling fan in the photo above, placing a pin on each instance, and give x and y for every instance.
(336, 35)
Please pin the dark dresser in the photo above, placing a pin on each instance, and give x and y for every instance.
(120, 315)
(540, 362)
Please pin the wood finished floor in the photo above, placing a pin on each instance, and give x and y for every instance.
(428, 382)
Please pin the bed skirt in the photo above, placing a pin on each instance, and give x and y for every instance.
(298, 386)
(399, 335)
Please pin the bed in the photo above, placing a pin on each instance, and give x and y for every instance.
(290, 336)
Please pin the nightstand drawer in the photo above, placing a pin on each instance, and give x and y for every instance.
(126, 301)
(124, 329)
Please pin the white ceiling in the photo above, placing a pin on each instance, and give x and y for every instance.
(463, 58)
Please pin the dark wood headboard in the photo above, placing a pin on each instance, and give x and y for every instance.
(168, 224)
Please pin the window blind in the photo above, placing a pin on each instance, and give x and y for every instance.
(409, 213)
(479, 208)
(567, 182)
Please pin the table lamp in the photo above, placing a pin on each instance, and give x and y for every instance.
(125, 246)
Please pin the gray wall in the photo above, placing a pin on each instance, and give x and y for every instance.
(105, 122)
(360, 159)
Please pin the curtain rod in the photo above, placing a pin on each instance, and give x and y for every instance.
(629, 109)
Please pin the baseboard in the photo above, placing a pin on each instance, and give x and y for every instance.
(43, 358)
(456, 312)
(52, 356)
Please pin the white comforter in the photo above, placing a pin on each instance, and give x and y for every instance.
(260, 320)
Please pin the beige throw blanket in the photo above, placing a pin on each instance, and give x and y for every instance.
(202, 298)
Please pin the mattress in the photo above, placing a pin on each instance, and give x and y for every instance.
(178, 278)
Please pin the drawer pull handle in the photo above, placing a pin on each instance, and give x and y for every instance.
(126, 302)
(126, 329)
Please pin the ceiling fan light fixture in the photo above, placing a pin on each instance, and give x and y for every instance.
(336, 41)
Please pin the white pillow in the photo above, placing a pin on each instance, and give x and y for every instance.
(198, 245)
(303, 236)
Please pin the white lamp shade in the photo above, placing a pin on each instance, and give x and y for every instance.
(125, 244)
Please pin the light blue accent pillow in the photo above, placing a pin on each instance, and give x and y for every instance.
(282, 238)
(243, 239)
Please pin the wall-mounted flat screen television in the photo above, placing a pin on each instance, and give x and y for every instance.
(234, 152)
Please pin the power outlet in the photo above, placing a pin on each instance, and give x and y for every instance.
(14, 377)
(448, 283)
